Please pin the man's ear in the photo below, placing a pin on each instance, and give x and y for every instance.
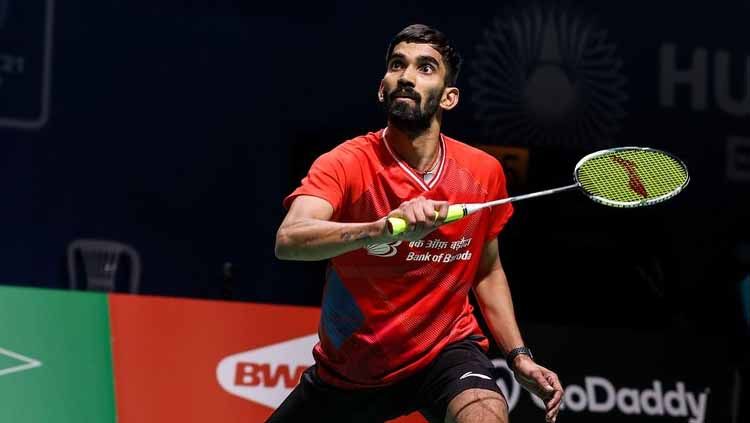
(450, 98)
(381, 96)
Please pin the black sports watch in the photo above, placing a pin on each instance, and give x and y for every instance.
(515, 352)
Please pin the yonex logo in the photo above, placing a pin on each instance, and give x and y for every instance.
(267, 375)
(383, 250)
(470, 374)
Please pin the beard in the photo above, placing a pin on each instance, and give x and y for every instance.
(410, 117)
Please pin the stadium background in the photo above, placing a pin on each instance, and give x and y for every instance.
(176, 127)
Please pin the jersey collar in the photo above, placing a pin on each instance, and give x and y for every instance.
(426, 186)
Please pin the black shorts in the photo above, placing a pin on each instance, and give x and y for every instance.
(460, 366)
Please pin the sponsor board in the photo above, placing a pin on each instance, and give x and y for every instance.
(197, 360)
(244, 359)
(194, 360)
(55, 358)
(598, 394)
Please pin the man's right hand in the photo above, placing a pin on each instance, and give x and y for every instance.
(307, 234)
(422, 216)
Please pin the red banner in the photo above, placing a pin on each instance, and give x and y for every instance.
(198, 361)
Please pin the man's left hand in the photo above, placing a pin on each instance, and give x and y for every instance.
(541, 382)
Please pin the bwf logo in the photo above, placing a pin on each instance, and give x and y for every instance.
(267, 375)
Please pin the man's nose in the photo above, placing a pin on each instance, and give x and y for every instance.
(404, 81)
(408, 76)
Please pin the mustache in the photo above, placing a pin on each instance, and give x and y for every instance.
(405, 92)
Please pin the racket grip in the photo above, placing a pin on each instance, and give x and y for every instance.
(397, 226)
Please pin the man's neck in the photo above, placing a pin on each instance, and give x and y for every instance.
(420, 151)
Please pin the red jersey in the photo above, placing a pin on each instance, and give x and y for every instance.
(389, 309)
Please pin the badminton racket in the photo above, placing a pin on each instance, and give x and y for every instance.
(617, 177)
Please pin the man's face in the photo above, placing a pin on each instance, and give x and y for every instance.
(413, 85)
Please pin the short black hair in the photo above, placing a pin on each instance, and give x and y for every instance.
(423, 34)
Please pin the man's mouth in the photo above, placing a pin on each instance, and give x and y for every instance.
(402, 94)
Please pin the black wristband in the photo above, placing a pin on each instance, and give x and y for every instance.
(515, 352)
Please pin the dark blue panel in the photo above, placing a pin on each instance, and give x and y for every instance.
(341, 316)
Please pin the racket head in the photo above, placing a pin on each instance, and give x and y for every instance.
(631, 176)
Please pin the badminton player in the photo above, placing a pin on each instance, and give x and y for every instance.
(397, 333)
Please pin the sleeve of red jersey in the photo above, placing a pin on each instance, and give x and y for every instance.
(326, 179)
(499, 215)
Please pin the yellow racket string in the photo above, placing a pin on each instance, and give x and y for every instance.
(632, 176)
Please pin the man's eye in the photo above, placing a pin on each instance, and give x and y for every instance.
(396, 65)
(427, 68)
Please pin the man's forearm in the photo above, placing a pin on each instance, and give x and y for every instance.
(497, 308)
(314, 239)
